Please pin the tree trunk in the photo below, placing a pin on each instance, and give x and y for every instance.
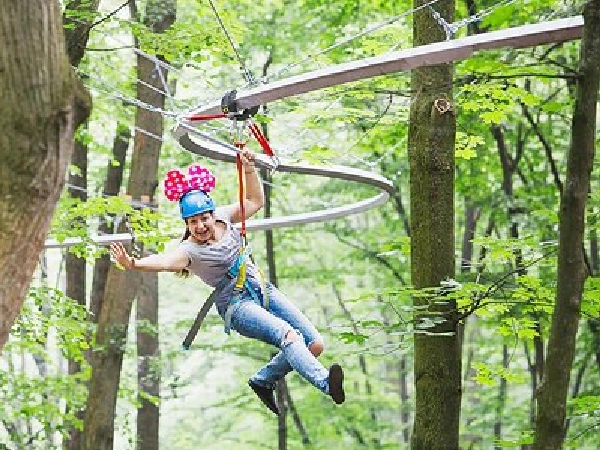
(77, 27)
(501, 401)
(121, 287)
(37, 93)
(148, 362)
(112, 186)
(432, 129)
(106, 362)
(572, 271)
(471, 218)
(75, 267)
(77, 36)
(160, 15)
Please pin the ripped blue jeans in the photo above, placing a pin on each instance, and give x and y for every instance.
(251, 320)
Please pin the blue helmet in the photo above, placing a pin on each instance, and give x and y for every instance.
(195, 202)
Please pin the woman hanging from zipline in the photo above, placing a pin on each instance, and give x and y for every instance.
(215, 251)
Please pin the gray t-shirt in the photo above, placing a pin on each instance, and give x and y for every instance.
(210, 262)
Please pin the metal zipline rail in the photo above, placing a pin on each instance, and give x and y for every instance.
(194, 140)
(200, 143)
(554, 31)
(210, 147)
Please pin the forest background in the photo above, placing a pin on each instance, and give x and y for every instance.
(510, 131)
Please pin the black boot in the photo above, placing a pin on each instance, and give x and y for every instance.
(336, 384)
(266, 395)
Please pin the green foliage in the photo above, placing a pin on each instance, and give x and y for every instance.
(494, 101)
(586, 405)
(466, 145)
(74, 219)
(490, 374)
(590, 306)
(34, 390)
(351, 276)
(526, 438)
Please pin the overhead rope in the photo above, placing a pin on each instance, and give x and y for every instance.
(133, 101)
(345, 41)
(265, 79)
(451, 28)
(247, 74)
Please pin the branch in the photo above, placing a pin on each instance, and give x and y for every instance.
(371, 254)
(546, 145)
(109, 15)
(124, 47)
(77, 32)
(295, 416)
(485, 77)
(497, 285)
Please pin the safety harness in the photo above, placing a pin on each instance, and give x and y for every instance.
(238, 270)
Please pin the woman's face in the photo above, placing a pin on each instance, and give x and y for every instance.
(202, 227)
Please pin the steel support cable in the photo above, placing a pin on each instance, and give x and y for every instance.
(137, 102)
(134, 102)
(247, 74)
(136, 80)
(451, 28)
(287, 68)
(345, 41)
(220, 150)
(195, 141)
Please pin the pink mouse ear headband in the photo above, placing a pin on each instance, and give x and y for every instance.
(177, 184)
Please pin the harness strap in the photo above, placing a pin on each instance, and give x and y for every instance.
(242, 194)
(242, 283)
(233, 272)
(187, 342)
(262, 140)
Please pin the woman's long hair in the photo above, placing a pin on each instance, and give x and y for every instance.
(184, 273)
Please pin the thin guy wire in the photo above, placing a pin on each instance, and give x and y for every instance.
(451, 28)
(137, 80)
(348, 39)
(247, 74)
(478, 16)
(131, 100)
(267, 79)
(472, 18)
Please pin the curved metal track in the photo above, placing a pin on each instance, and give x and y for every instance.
(210, 147)
(194, 140)
(560, 30)
(438, 53)
(104, 239)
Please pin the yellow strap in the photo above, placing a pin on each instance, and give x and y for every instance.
(241, 278)
(263, 286)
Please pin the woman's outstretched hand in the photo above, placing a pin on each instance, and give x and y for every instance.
(119, 254)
